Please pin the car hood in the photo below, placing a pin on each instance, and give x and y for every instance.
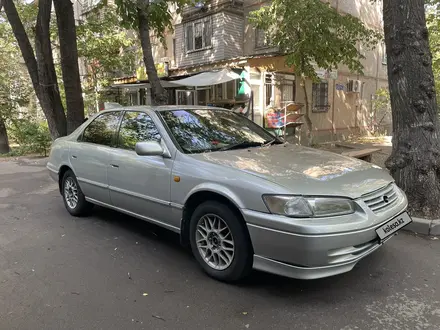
(304, 170)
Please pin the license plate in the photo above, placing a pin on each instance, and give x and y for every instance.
(393, 225)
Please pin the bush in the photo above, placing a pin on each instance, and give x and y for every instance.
(32, 137)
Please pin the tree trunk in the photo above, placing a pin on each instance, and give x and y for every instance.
(23, 42)
(69, 63)
(50, 94)
(307, 114)
(4, 141)
(158, 93)
(56, 119)
(415, 160)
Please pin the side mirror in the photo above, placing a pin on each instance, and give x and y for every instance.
(149, 148)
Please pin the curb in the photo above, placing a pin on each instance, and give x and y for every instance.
(424, 226)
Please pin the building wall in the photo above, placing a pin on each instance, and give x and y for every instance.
(227, 41)
(233, 38)
(349, 113)
(249, 46)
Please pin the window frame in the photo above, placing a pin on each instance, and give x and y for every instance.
(113, 142)
(192, 24)
(265, 44)
(174, 52)
(317, 107)
(117, 140)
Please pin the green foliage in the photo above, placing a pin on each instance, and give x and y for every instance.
(158, 14)
(107, 48)
(15, 86)
(105, 45)
(433, 25)
(32, 137)
(312, 33)
(381, 105)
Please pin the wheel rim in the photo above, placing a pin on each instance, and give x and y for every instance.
(215, 242)
(71, 193)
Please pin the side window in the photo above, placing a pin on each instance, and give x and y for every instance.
(102, 129)
(137, 127)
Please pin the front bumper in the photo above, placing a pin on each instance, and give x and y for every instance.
(309, 255)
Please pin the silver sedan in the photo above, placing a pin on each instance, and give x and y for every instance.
(238, 196)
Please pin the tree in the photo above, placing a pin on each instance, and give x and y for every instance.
(15, 90)
(312, 33)
(50, 98)
(107, 49)
(69, 63)
(415, 159)
(40, 64)
(4, 141)
(42, 73)
(150, 18)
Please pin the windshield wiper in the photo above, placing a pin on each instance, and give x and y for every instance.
(274, 141)
(269, 143)
(242, 144)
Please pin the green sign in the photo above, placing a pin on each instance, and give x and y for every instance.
(243, 86)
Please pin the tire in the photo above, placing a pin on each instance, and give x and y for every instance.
(229, 268)
(76, 207)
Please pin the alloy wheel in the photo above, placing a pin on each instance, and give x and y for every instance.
(71, 192)
(215, 242)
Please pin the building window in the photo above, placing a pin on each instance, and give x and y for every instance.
(174, 51)
(320, 97)
(384, 54)
(261, 40)
(189, 37)
(198, 35)
(288, 91)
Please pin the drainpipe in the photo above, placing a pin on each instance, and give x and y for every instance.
(334, 94)
(333, 110)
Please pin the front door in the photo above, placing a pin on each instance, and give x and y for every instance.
(140, 184)
(90, 156)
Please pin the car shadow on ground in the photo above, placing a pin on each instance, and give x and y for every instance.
(363, 278)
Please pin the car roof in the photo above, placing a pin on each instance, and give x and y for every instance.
(164, 108)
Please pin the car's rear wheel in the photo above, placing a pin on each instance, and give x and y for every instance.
(220, 242)
(73, 197)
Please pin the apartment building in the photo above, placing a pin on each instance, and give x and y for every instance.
(216, 36)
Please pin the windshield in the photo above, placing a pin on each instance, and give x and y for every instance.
(214, 130)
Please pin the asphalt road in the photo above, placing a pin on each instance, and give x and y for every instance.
(110, 271)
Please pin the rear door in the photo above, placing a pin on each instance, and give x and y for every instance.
(140, 184)
(90, 156)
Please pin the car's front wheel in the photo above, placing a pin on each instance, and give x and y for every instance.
(220, 242)
(73, 197)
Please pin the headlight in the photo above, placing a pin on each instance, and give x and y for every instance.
(303, 207)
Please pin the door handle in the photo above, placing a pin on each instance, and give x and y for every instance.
(114, 165)
(74, 157)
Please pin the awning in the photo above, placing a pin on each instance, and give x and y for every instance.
(208, 78)
(164, 83)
